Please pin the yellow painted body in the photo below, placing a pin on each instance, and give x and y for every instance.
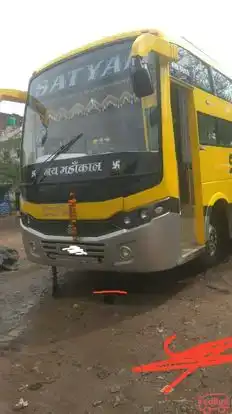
(214, 161)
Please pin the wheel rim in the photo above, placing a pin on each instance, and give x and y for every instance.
(212, 241)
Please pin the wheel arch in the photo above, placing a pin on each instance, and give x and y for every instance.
(218, 202)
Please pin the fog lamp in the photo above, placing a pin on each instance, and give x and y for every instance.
(125, 252)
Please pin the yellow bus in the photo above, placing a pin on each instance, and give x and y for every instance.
(126, 156)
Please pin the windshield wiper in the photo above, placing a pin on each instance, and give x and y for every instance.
(61, 150)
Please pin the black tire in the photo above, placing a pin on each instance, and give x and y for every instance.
(218, 241)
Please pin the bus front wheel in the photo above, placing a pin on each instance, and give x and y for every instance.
(217, 241)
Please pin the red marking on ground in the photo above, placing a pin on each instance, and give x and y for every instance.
(107, 292)
(199, 356)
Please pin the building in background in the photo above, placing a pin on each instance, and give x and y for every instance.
(9, 120)
(10, 136)
(10, 143)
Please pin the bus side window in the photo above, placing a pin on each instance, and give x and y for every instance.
(224, 129)
(207, 130)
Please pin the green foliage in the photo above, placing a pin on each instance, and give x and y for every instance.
(9, 173)
(10, 144)
(9, 166)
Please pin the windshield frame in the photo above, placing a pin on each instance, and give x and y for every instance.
(86, 52)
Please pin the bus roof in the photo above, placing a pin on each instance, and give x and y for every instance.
(182, 42)
(92, 45)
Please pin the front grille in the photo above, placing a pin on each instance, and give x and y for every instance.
(93, 250)
(85, 228)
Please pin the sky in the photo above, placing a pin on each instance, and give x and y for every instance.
(33, 33)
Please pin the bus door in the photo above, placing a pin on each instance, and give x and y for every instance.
(179, 105)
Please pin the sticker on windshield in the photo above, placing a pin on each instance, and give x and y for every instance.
(76, 168)
(116, 165)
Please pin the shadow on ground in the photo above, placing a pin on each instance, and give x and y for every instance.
(77, 311)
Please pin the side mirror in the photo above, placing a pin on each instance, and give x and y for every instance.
(140, 77)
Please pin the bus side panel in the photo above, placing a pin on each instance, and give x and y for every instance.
(215, 161)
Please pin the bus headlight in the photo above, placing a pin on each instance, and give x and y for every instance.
(144, 214)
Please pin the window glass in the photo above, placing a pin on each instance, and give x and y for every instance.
(152, 118)
(207, 129)
(222, 85)
(152, 108)
(89, 93)
(224, 133)
(191, 69)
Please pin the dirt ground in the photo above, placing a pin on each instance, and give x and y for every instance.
(10, 234)
(75, 354)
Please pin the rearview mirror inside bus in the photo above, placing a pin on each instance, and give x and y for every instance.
(141, 78)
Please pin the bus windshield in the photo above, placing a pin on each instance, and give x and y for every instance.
(91, 93)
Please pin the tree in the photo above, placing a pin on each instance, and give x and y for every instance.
(9, 161)
(9, 173)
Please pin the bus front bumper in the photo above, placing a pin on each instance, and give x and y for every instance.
(151, 247)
